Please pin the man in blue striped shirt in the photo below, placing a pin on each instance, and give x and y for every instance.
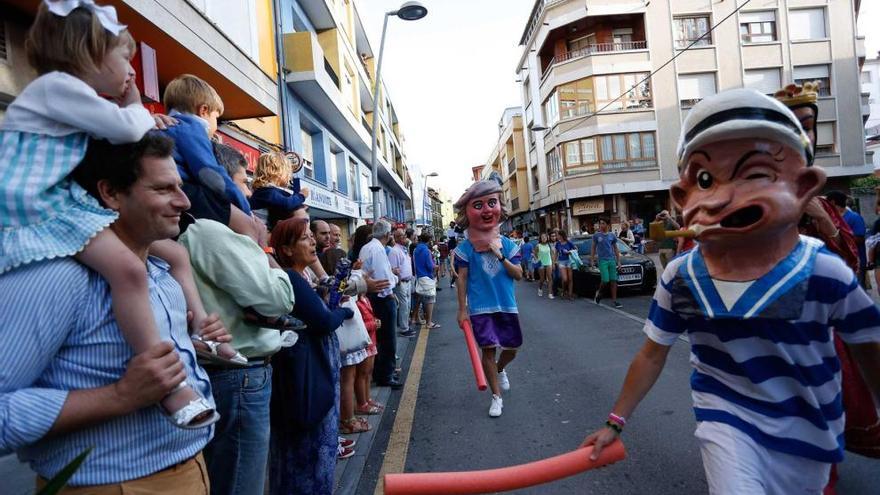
(69, 381)
(761, 306)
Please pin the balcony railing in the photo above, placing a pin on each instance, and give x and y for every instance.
(598, 48)
(511, 165)
(514, 204)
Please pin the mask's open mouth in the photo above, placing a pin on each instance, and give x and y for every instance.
(743, 217)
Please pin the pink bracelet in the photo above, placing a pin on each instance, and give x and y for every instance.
(620, 420)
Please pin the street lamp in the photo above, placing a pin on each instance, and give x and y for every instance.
(560, 157)
(425, 190)
(409, 11)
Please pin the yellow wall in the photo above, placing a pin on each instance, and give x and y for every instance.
(267, 128)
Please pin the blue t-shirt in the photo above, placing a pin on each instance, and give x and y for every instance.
(604, 243)
(526, 250)
(857, 225)
(562, 250)
(489, 286)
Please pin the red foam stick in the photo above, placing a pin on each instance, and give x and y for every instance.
(502, 479)
(474, 352)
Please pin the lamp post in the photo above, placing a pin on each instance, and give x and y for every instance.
(425, 190)
(409, 11)
(539, 128)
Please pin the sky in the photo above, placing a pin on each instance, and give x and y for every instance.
(451, 74)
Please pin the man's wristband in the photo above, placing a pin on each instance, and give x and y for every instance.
(502, 258)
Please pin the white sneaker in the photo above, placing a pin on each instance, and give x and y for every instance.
(551, 296)
(503, 382)
(540, 293)
(495, 408)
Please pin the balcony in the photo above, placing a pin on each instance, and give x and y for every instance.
(599, 48)
(511, 165)
(591, 36)
(514, 204)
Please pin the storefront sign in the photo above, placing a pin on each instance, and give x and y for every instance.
(588, 206)
(250, 153)
(331, 201)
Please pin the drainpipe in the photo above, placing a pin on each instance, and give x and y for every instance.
(287, 144)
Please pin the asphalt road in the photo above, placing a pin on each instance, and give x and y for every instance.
(563, 384)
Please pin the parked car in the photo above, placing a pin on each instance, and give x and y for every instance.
(636, 271)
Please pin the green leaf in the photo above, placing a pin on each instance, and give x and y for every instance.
(59, 481)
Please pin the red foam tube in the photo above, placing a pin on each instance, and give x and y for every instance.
(502, 479)
(474, 352)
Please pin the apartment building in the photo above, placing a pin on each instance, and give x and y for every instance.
(232, 46)
(870, 79)
(508, 159)
(611, 130)
(329, 69)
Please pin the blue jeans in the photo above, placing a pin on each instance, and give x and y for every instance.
(237, 455)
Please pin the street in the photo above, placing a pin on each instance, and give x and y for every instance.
(563, 384)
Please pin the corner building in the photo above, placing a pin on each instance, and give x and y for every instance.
(617, 157)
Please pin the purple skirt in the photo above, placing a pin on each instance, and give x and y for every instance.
(497, 330)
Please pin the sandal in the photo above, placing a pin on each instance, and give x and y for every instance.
(377, 404)
(353, 425)
(369, 409)
(212, 356)
(197, 414)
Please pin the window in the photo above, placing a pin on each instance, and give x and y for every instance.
(690, 29)
(820, 73)
(348, 92)
(527, 93)
(807, 24)
(609, 87)
(766, 81)
(535, 184)
(366, 193)
(627, 151)
(572, 153)
(352, 178)
(553, 169)
(825, 133)
(551, 109)
(307, 154)
(588, 151)
(583, 43)
(694, 87)
(757, 27)
(622, 36)
(866, 77)
(576, 98)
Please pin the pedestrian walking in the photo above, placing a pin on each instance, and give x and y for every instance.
(426, 294)
(626, 235)
(758, 302)
(485, 287)
(402, 266)
(565, 249)
(545, 254)
(527, 249)
(666, 246)
(605, 246)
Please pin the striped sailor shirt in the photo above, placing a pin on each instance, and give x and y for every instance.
(58, 334)
(766, 364)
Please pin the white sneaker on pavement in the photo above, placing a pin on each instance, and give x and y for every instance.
(503, 382)
(551, 296)
(495, 408)
(540, 293)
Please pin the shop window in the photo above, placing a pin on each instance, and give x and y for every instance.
(692, 29)
(308, 155)
(821, 73)
(757, 27)
(694, 87)
(807, 24)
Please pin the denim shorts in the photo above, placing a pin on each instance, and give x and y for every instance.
(564, 263)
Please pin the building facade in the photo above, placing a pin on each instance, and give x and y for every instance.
(870, 79)
(328, 111)
(508, 159)
(585, 77)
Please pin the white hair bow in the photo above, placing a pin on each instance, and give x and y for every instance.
(106, 14)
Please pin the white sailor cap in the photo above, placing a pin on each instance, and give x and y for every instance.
(738, 114)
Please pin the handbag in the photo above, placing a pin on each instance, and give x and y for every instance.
(352, 333)
(425, 286)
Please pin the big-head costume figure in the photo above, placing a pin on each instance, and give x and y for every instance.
(758, 302)
(487, 264)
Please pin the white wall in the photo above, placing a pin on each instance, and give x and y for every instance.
(237, 19)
